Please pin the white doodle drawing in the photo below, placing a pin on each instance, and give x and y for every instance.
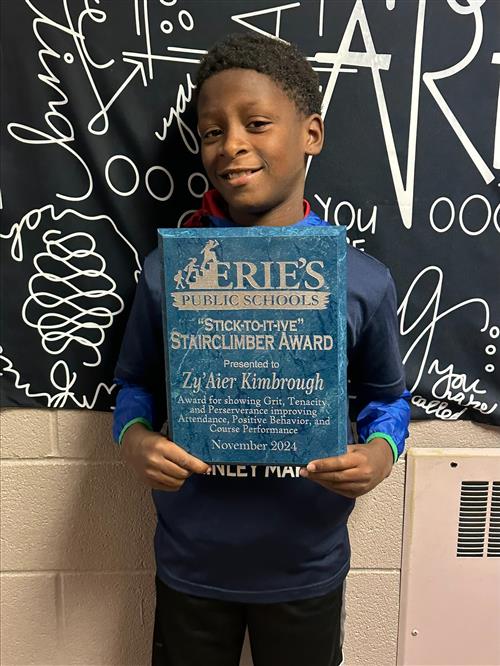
(457, 387)
(59, 137)
(355, 215)
(33, 218)
(375, 62)
(136, 178)
(85, 301)
(464, 221)
(430, 78)
(62, 379)
(184, 96)
(71, 301)
(321, 17)
(185, 215)
(240, 18)
(495, 60)
(424, 335)
(198, 194)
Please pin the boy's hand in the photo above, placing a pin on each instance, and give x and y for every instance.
(158, 462)
(354, 473)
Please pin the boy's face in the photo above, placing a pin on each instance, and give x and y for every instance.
(253, 145)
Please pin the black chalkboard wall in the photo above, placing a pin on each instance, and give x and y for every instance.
(100, 148)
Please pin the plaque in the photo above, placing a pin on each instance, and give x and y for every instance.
(255, 342)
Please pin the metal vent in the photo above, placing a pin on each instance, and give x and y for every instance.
(476, 518)
(450, 490)
(494, 531)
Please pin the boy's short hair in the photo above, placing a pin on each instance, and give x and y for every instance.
(282, 62)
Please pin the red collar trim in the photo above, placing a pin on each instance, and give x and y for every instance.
(213, 205)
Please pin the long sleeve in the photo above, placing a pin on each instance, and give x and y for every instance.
(386, 419)
(380, 402)
(134, 404)
(139, 372)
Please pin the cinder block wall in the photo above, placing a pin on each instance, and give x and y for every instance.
(76, 546)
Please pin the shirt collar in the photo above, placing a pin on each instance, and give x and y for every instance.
(214, 213)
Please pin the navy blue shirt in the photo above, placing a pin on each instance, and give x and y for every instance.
(263, 533)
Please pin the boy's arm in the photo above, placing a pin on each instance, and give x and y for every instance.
(383, 426)
(157, 462)
(384, 408)
(140, 404)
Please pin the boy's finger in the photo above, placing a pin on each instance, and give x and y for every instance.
(169, 468)
(350, 475)
(335, 464)
(163, 482)
(350, 490)
(184, 459)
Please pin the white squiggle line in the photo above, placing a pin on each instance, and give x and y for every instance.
(153, 56)
(60, 138)
(98, 16)
(148, 37)
(184, 95)
(103, 113)
(137, 18)
(47, 139)
(375, 61)
(17, 381)
(182, 49)
(77, 38)
(432, 306)
(321, 17)
(122, 193)
(58, 399)
(17, 228)
(495, 60)
(79, 41)
(430, 78)
(464, 10)
(56, 329)
(238, 18)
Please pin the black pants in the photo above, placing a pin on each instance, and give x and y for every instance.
(194, 631)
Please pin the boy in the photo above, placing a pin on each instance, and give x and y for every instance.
(258, 551)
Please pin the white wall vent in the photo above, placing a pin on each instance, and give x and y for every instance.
(494, 530)
(450, 577)
(478, 518)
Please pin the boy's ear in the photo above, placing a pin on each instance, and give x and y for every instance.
(315, 134)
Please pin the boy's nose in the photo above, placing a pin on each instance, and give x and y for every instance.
(234, 143)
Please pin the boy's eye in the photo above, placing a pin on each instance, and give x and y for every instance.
(211, 133)
(258, 124)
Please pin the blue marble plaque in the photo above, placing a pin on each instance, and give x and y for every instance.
(255, 342)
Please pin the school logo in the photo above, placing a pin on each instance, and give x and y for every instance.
(207, 283)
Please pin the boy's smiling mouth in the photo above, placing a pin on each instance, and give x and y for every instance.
(239, 176)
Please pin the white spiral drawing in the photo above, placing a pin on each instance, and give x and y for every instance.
(72, 300)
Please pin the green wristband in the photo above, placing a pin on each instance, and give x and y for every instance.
(388, 439)
(127, 425)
